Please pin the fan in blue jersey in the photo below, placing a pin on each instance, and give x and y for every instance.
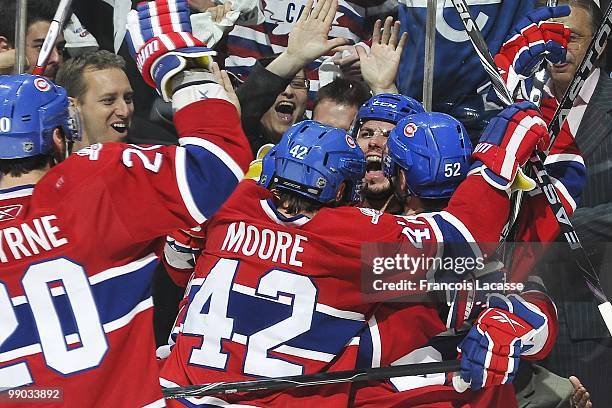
(457, 69)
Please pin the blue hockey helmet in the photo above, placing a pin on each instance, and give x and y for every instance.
(31, 107)
(314, 160)
(433, 150)
(387, 107)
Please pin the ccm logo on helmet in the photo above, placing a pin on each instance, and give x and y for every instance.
(42, 85)
(384, 104)
(410, 129)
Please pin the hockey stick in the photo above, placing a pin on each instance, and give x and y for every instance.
(308, 380)
(539, 80)
(21, 12)
(537, 160)
(430, 53)
(56, 25)
(482, 49)
(594, 51)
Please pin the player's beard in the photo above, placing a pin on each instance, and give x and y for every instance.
(377, 189)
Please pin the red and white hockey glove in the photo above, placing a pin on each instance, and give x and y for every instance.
(160, 40)
(491, 351)
(507, 143)
(532, 40)
(182, 249)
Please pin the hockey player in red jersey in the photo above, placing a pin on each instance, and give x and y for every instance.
(79, 239)
(416, 165)
(276, 291)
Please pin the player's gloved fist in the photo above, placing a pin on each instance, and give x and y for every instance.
(507, 143)
(532, 40)
(193, 239)
(181, 251)
(160, 40)
(491, 351)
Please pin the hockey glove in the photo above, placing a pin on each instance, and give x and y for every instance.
(181, 251)
(160, 40)
(491, 351)
(532, 40)
(507, 143)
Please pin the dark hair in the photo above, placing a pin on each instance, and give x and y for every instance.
(19, 167)
(434, 204)
(70, 74)
(588, 5)
(344, 92)
(294, 203)
(38, 10)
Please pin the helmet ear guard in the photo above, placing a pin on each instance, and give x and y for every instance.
(74, 124)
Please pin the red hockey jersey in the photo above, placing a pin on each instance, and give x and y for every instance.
(275, 296)
(78, 249)
(380, 346)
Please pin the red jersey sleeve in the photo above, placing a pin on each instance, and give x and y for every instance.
(153, 190)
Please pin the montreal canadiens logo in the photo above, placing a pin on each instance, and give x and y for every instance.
(350, 142)
(42, 85)
(410, 129)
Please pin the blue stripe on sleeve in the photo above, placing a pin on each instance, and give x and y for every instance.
(211, 184)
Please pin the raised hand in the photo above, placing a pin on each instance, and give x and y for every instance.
(201, 5)
(580, 397)
(160, 40)
(308, 39)
(379, 67)
(224, 80)
(217, 13)
(532, 40)
(507, 143)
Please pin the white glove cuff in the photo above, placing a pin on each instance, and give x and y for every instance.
(538, 339)
(194, 86)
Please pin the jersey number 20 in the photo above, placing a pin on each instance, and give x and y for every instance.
(54, 344)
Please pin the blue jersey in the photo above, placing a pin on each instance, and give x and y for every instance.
(457, 69)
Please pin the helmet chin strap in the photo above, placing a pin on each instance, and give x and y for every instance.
(400, 188)
(69, 145)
